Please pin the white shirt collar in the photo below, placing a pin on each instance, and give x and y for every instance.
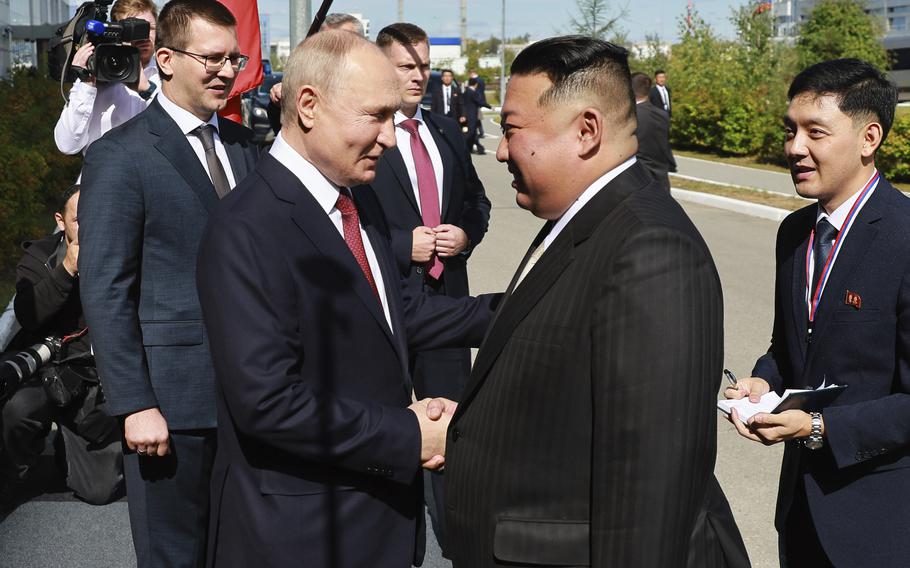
(325, 192)
(400, 116)
(583, 199)
(840, 214)
(186, 120)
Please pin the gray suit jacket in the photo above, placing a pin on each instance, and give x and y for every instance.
(587, 433)
(144, 202)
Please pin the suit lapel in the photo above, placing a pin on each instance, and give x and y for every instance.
(235, 152)
(399, 169)
(552, 265)
(798, 292)
(310, 218)
(447, 156)
(172, 143)
(861, 235)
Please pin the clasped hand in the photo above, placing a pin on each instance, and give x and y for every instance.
(434, 416)
(444, 240)
(766, 428)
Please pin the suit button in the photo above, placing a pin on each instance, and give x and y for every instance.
(420, 270)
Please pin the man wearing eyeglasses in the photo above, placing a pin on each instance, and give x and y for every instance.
(148, 187)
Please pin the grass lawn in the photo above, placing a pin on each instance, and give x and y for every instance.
(7, 287)
(751, 195)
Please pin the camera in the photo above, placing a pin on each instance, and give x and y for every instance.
(114, 59)
(23, 364)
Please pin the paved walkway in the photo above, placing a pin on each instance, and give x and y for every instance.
(735, 175)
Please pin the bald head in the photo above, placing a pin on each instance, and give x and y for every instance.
(340, 94)
(322, 61)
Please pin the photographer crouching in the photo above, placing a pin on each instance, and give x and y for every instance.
(65, 389)
(95, 106)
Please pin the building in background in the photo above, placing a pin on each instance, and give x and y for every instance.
(6, 36)
(31, 24)
(265, 33)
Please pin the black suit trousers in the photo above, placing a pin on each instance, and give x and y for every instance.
(171, 491)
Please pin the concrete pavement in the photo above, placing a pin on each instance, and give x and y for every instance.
(53, 530)
(730, 174)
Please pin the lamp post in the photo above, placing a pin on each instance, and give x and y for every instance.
(301, 12)
(502, 57)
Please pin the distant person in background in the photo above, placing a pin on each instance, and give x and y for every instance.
(334, 21)
(653, 133)
(660, 93)
(472, 104)
(482, 89)
(94, 109)
(447, 99)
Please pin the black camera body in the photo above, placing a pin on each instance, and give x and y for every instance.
(114, 60)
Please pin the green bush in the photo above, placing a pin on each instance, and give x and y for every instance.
(893, 158)
(34, 171)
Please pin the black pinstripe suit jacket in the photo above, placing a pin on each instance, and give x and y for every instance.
(587, 434)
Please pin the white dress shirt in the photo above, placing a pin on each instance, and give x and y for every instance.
(403, 138)
(326, 194)
(92, 111)
(187, 122)
(583, 199)
(665, 96)
(837, 220)
(446, 98)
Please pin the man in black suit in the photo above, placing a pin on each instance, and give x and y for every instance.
(147, 188)
(653, 133)
(447, 99)
(845, 468)
(319, 443)
(587, 433)
(482, 89)
(660, 93)
(436, 220)
(472, 103)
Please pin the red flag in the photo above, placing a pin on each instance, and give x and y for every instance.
(247, 14)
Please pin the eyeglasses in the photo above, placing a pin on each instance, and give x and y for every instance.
(215, 63)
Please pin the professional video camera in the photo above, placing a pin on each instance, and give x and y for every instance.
(23, 364)
(114, 60)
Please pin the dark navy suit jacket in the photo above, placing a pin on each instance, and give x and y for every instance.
(144, 202)
(318, 456)
(856, 485)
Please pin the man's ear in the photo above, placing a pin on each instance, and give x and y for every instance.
(164, 58)
(872, 139)
(59, 218)
(590, 125)
(308, 99)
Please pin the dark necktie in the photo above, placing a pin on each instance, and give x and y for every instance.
(426, 188)
(206, 133)
(825, 233)
(350, 223)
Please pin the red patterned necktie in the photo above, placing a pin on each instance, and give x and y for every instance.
(350, 222)
(426, 188)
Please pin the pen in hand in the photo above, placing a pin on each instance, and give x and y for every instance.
(732, 378)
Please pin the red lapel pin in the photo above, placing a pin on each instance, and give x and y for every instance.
(853, 299)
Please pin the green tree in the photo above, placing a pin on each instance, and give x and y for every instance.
(840, 28)
(595, 19)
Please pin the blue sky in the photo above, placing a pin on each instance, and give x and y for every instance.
(537, 17)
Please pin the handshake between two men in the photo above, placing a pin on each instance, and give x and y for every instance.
(433, 415)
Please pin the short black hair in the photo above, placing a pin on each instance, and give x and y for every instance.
(576, 62)
(861, 89)
(444, 71)
(65, 197)
(472, 81)
(660, 72)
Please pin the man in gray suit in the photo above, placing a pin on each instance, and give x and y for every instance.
(148, 187)
(587, 432)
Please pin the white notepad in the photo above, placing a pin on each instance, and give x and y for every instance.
(770, 401)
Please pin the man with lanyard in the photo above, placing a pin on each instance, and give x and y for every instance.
(842, 315)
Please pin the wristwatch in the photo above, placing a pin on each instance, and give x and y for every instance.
(815, 440)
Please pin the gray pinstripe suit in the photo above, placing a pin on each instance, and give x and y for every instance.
(587, 434)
